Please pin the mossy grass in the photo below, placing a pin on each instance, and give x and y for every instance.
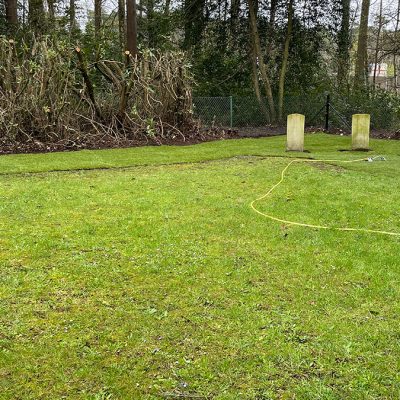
(154, 279)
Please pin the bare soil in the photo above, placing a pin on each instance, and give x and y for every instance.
(205, 135)
(92, 142)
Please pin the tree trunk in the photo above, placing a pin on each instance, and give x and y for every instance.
(344, 45)
(131, 27)
(150, 24)
(396, 29)
(235, 8)
(36, 16)
(285, 58)
(140, 10)
(72, 16)
(11, 13)
(256, 84)
(257, 54)
(121, 23)
(194, 22)
(166, 8)
(360, 76)
(271, 27)
(88, 83)
(97, 19)
(378, 37)
(50, 4)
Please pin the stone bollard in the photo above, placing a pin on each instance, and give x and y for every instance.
(360, 132)
(295, 132)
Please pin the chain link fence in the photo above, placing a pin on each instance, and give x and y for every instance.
(240, 112)
(330, 112)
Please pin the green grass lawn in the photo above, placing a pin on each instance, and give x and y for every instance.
(144, 274)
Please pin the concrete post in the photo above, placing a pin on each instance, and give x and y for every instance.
(360, 131)
(295, 132)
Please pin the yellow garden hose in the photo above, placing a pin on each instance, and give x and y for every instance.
(273, 218)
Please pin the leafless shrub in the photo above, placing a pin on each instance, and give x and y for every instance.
(49, 94)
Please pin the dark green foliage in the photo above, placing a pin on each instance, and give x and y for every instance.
(216, 36)
(384, 107)
(218, 43)
(306, 72)
(221, 73)
(3, 23)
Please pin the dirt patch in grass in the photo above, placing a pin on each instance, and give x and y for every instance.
(327, 167)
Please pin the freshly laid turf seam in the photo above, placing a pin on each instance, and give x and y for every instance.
(287, 222)
(127, 167)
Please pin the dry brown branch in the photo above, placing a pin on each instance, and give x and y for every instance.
(43, 99)
(89, 86)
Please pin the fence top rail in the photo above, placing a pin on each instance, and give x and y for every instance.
(211, 97)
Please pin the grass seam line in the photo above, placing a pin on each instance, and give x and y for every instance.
(127, 167)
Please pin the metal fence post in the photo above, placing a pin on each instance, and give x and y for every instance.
(231, 110)
(328, 102)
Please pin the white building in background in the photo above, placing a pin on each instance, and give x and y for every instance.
(384, 76)
(381, 70)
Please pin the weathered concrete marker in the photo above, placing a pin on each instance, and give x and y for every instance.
(295, 132)
(360, 131)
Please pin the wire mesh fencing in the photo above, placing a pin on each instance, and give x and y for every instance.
(214, 111)
(324, 111)
(238, 112)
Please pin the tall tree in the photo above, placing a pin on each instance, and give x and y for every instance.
(257, 56)
(121, 23)
(271, 27)
(396, 30)
(166, 7)
(36, 16)
(285, 58)
(194, 20)
(235, 9)
(97, 18)
(11, 13)
(131, 27)
(72, 16)
(51, 10)
(377, 43)
(361, 67)
(344, 44)
(151, 29)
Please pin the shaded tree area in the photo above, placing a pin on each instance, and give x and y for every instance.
(275, 38)
(270, 49)
(217, 34)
